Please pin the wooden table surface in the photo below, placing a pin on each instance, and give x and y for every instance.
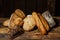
(54, 34)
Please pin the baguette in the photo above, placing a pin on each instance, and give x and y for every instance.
(39, 23)
(44, 22)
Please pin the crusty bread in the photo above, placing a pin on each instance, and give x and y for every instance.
(14, 24)
(20, 13)
(6, 22)
(29, 23)
(18, 21)
(15, 21)
(11, 22)
(4, 30)
(44, 22)
(39, 23)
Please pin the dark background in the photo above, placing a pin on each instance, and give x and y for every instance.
(7, 7)
(57, 8)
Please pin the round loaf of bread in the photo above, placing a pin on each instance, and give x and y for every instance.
(6, 22)
(29, 23)
(20, 13)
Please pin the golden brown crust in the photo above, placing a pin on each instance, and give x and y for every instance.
(44, 22)
(29, 23)
(6, 22)
(14, 24)
(18, 21)
(20, 13)
(11, 22)
(4, 30)
(39, 23)
(15, 21)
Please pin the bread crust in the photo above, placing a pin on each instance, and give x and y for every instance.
(20, 13)
(29, 23)
(44, 22)
(15, 21)
(11, 22)
(39, 23)
(6, 22)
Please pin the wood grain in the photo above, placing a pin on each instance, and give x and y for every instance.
(53, 34)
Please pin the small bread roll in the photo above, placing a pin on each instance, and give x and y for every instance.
(4, 30)
(39, 23)
(29, 23)
(6, 22)
(20, 13)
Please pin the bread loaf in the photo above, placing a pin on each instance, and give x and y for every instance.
(20, 13)
(4, 33)
(44, 22)
(39, 23)
(29, 23)
(4, 30)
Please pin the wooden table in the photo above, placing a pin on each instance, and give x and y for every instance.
(54, 34)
